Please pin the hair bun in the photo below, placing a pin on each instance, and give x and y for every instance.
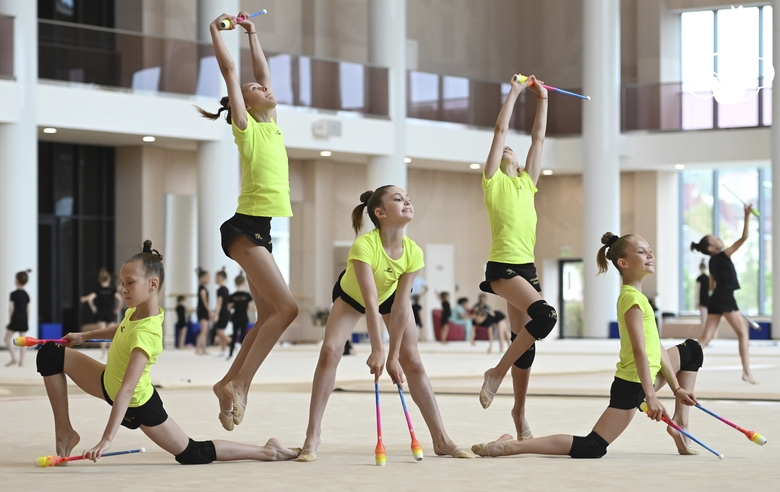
(365, 197)
(606, 238)
(147, 246)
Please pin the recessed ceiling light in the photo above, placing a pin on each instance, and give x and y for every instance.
(49, 130)
(148, 138)
(679, 166)
(326, 153)
(475, 166)
(547, 172)
(407, 160)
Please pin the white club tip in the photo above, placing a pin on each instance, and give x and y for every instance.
(264, 11)
(143, 450)
(720, 456)
(587, 97)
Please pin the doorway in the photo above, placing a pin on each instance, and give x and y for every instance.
(571, 297)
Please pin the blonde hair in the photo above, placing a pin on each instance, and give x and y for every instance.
(614, 248)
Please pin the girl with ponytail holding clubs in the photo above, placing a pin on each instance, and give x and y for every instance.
(265, 193)
(18, 314)
(723, 281)
(510, 273)
(377, 283)
(644, 366)
(124, 381)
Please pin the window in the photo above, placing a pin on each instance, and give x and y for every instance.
(710, 204)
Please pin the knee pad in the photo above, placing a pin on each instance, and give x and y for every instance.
(197, 453)
(50, 359)
(543, 319)
(591, 446)
(691, 355)
(526, 360)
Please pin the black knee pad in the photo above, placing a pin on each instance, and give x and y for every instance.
(592, 446)
(526, 360)
(198, 453)
(691, 355)
(50, 359)
(543, 319)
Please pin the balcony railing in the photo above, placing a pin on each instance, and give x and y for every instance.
(6, 47)
(675, 107)
(114, 58)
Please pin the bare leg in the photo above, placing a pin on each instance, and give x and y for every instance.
(503, 335)
(445, 331)
(687, 380)
(223, 340)
(22, 350)
(490, 337)
(182, 337)
(101, 325)
(710, 327)
(519, 294)
(200, 342)
(266, 283)
(739, 324)
(703, 315)
(422, 393)
(341, 322)
(9, 335)
(520, 378)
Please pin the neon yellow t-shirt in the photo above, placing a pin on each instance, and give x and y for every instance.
(626, 368)
(265, 178)
(510, 207)
(387, 271)
(146, 334)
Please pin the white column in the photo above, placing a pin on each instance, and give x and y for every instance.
(775, 174)
(601, 166)
(19, 165)
(387, 47)
(219, 175)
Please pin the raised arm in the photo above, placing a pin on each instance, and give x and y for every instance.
(533, 162)
(365, 279)
(260, 68)
(227, 68)
(745, 229)
(502, 128)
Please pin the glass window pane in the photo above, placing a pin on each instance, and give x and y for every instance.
(92, 181)
(697, 48)
(767, 72)
(63, 179)
(697, 203)
(766, 217)
(736, 83)
(744, 184)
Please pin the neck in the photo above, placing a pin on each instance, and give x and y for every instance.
(260, 115)
(391, 236)
(633, 279)
(147, 309)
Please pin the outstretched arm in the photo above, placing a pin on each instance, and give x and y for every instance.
(502, 128)
(260, 68)
(228, 69)
(533, 162)
(745, 229)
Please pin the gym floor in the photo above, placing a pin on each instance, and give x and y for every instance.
(568, 392)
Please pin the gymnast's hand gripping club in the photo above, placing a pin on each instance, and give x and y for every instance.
(679, 429)
(225, 23)
(523, 78)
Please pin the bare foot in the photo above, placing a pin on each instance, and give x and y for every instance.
(239, 402)
(681, 441)
(489, 388)
(64, 444)
(281, 453)
(9, 364)
(484, 449)
(748, 378)
(225, 405)
(450, 449)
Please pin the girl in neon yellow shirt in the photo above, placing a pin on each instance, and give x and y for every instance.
(265, 193)
(380, 273)
(124, 380)
(644, 366)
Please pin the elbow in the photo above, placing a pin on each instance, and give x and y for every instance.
(227, 67)
(501, 129)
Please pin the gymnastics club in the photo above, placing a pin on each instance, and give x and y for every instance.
(417, 451)
(755, 212)
(522, 78)
(679, 429)
(31, 342)
(751, 435)
(380, 454)
(225, 23)
(47, 461)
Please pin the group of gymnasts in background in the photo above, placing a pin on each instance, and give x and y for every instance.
(376, 284)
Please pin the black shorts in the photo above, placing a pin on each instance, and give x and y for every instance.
(722, 301)
(626, 395)
(149, 414)
(203, 314)
(257, 229)
(496, 271)
(106, 316)
(222, 321)
(338, 293)
(18, 326)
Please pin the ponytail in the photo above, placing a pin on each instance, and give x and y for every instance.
(222, 273)
(225, 103)
(614, 248)
(702, 246)
(200, 272)
(370, 201)
(23, 277)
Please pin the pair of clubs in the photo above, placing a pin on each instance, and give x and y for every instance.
(380, 454)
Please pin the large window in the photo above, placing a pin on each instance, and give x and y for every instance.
(711, 205)
(725, 81)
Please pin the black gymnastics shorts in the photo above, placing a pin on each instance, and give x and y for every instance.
(722, 301)
(149, 414)
(626, 395)
(338, 293)
(106, 316)
(17, 326)
(497, 271)
(257, 229)
(222, 321)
